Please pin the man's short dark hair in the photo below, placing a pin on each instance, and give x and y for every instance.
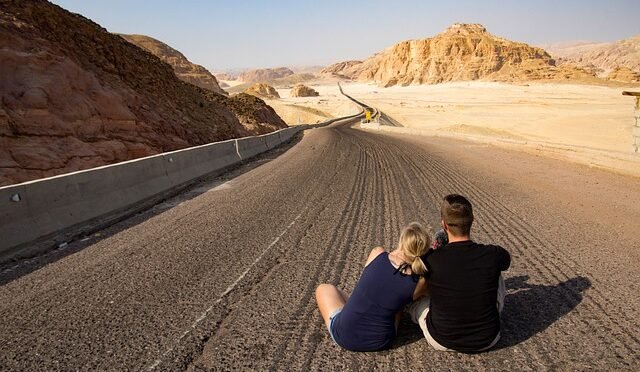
(457, 213)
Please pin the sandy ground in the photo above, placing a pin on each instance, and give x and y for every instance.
(585, 124)
(574, 122)
(310, 110)
(578, 115)
(232, 83)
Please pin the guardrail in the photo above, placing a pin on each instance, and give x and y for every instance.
(38, 215)
(376, 114)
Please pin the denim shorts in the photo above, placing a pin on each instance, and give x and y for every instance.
(332, 318)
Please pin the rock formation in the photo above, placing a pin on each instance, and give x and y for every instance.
(74, 96)
(300, 90)
(462, 52)
(264, 75)
(262, 90)
(342, 69)
(224, 76)
(601, 57)
(255, 115)
(624, 75)
(183, 68)
(289, 80)
(308, 69)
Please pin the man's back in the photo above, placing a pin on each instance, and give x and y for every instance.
(463, 285)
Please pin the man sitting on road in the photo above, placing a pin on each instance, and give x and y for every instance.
(466, 289)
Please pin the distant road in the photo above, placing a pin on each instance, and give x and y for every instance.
(223, 276)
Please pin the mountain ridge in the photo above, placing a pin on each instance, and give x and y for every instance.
(74, 96)
(462, 52)
(183, 68)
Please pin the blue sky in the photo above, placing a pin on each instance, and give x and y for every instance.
(250, 33)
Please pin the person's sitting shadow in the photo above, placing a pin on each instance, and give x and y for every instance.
(528, 310)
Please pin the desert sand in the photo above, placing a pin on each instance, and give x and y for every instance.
(310, 110)
(576, 115)
(574, 122)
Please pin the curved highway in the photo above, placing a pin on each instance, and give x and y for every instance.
(223, 276)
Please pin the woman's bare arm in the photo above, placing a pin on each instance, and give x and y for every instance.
(375, 252)
(421, 289)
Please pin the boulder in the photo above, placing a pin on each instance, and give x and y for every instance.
(300, 90)
(263, 90)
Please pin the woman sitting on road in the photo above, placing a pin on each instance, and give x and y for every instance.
(368, 320)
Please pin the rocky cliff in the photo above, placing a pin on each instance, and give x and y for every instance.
(224, 76)
(462, 52)
(264, 75)
(624, 75)
(255, 116)
(342, 69)
(601, 58)
(74, 96)
(300, 90)
(183, 68)
(262, 90)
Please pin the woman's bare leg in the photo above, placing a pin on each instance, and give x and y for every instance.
(329, 299)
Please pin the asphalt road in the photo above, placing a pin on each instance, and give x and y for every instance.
(223, 276)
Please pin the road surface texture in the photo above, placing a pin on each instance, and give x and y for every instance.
(223, 276)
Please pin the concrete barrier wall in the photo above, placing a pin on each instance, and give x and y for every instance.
(35, 211)
(249, 147)
(183, 166)
(272, 139)
(286, 134)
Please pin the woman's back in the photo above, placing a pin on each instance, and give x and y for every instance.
(367, 321)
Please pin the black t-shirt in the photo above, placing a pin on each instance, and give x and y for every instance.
(463, 285)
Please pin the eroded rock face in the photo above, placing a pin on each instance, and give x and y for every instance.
(624, 75)
(264, 74)
(224, 76)
(344, 69)
(300, 90)
(462, 52)
(73, 96)
(255, 115)
(263, 90)
(602, 58)
(183, 68)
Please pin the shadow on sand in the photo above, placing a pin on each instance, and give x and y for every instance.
(529, 309)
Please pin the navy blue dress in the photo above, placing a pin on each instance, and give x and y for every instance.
(367, 320)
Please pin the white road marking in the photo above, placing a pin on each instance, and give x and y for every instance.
(230, 288)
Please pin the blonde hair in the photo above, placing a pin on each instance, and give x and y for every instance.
(414, 242)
